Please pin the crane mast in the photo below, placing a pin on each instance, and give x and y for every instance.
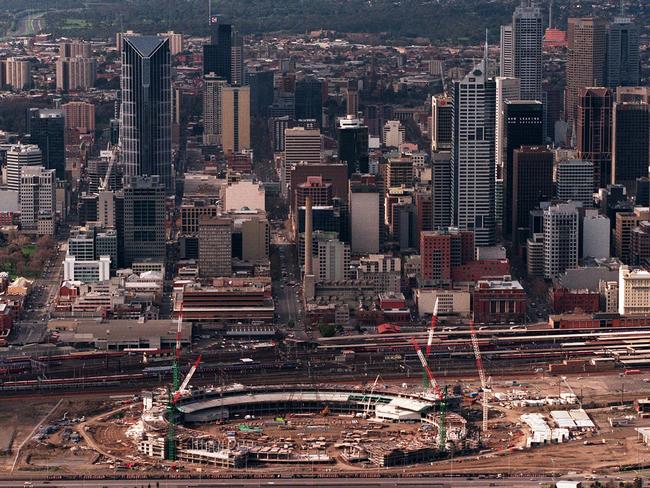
(481, 374)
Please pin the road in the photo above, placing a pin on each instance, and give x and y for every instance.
(33, 326)
(287, 296)
(441, 482)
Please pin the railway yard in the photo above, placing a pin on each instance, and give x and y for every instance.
(269, 409)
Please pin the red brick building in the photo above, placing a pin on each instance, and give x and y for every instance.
(499, 301)
(441, 250)
(565, 300)
(476, 270)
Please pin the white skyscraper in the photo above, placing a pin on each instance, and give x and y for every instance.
(573, 181)
(18, 157)
(527, 34)
(560, 239)
(472, 158)
(37, 199)
(394, 133)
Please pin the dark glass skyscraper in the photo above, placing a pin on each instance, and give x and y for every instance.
(146, 127)
(144, 219)
(47, 130)
(524, 127)
(594, 132)
(622, 68)
(261, 83)
(353, 145)
(217, 56)
(630, 149)
(309, 99)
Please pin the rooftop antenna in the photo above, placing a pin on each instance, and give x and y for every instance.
(550, 15)
(209, 11)
(622, 8)
(485, 53)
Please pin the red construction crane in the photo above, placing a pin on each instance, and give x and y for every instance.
(186, 381)
(434, 323)
(425, 366)
(481, 374)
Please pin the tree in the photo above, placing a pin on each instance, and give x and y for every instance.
(327, 330)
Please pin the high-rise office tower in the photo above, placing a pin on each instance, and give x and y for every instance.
(506, 89)
(622, 53)
(575, 181)
(237, 74)
(365, 213)
(217, 56)
(352, 98)
(506, 62)
(144, 219)
(353, 144)
(146, 113)
(532, 182)
(300, 145)
(235, 118)
(18, 157)
(309, 99)
(594, 132)
(527, 34)
(215, 247)
(212, 87)
(47, 131)
(524, 126)
(441, 116)
(631, 139)
(75, 74)
(37, 199)
(472, 158)
(586, 60)
(560, 239)
(261, 83)
(441, 189)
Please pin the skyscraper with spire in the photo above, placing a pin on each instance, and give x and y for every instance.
(472, 158)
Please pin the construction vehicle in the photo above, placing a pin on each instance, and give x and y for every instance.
(326, 411)
(433, 384)
(442, 427)
(432, 329)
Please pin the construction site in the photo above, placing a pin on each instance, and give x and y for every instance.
(497, 425)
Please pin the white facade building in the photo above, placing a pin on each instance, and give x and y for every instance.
(19, 156)
(560, 239)
(506, 89)
(472, 158)
(37, 199)
(575, 181)
(87, 271)
(633, 291)
(394, 133)
(332, 261)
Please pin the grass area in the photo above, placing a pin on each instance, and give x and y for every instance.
(75, 24)
(28, 251)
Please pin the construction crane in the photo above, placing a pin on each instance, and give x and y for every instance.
(432, 329)
(440, 395)
(481, 373)
(172, 410)
(432, 381)
(183, 388)
(442, 422)
(366, 410)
